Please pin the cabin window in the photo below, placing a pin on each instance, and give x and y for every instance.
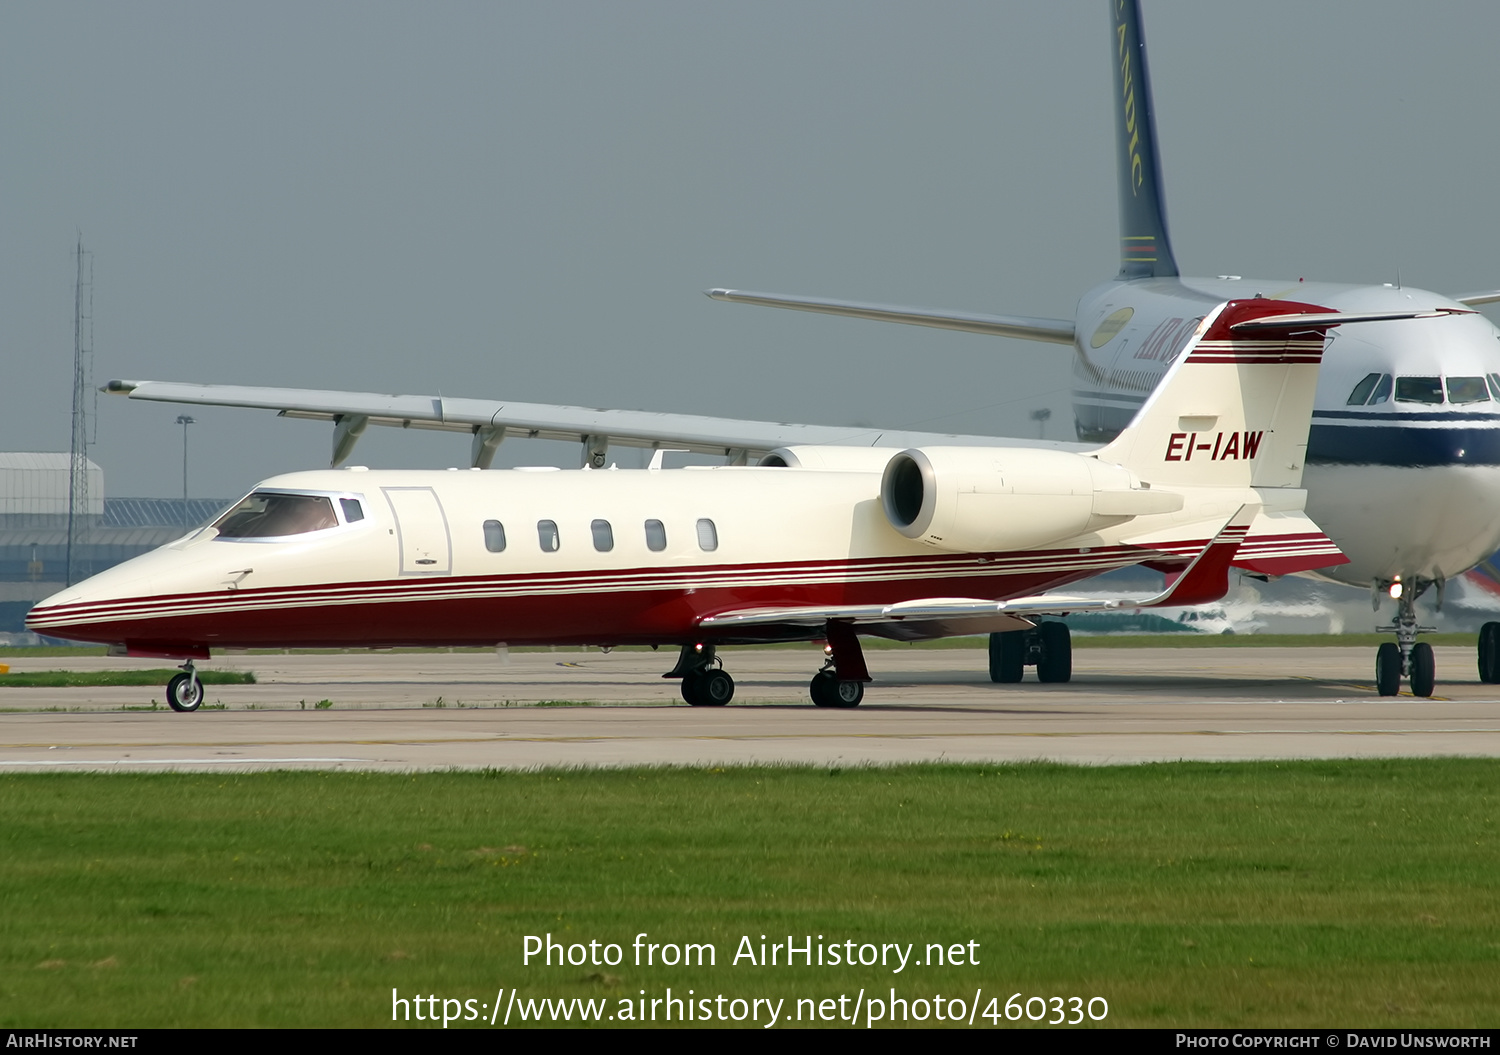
(1382, 390)
(604, 536)
(1419, 390)
(1362, 391)
(1467, 390)
(656, 536)
(546, 533)
(353, 511)
(494, 536)
(266, 514)
(708, 535)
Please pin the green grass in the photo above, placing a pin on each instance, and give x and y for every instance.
(74, 678)
(1272, 894)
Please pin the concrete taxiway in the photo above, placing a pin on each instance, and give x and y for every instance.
(392, 711)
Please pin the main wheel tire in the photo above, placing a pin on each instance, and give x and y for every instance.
(1423, 669)
(1388, 669)
(1056, 661)
(184, 693)
(707, 688)
(1489, 653)
(1007, 656)
(828, 691)
(716, 688)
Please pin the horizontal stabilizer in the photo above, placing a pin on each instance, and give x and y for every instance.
(1055, 331)
(1488, 296)
(1321, 319)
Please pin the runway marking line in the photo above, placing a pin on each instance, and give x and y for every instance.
(968, 735)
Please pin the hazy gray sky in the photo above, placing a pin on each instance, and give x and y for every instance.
(525, 200)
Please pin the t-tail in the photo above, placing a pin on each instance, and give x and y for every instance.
(1145, 250)
(1235, 409)
(1233, 413)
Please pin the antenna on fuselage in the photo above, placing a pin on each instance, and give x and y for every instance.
(1145, 251)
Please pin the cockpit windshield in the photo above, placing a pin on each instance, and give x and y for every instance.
(267, 514)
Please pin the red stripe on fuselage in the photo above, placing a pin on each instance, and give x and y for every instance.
(607, 609)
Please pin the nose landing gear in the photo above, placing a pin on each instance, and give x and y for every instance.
(1407, 656)
(1489, 653)
(185, 691)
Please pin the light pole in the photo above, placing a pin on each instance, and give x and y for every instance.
(1040, 416)
(184, 421)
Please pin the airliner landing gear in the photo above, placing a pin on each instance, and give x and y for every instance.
(1409, 656)
(703, 683)
(1047, 646)
(185, 691)
(841, 682)
(1489, 653)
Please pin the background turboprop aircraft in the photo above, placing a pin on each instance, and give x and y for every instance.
(1404, 460)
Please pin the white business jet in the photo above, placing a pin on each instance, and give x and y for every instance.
(1404, 457)
(924, 542)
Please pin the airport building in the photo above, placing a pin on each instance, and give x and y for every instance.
(34, 555)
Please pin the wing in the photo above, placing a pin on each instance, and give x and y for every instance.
(1204, 580)
(491, 421)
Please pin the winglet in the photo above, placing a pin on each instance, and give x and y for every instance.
(1206, 579)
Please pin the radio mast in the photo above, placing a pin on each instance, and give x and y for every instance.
(78, 452)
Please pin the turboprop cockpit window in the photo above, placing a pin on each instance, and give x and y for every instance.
(1419, 390)
(1467, 390)
(266, 514)
(1382, 390)
(1495, 385)
(353, 511)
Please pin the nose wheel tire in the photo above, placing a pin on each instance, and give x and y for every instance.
(184, 693)
(828, 691)
(708, 688)
(1388, 669)
(1423, 669)
(1489, 653)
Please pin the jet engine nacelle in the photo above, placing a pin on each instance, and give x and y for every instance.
(986, 499)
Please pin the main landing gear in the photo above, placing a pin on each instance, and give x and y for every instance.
(704, 684)
(1408, 656)
(840, 683)
(185, 691)
(1046, 646)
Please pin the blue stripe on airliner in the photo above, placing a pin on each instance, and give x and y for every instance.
(1403, 415)
(1396, 446)
(1388, 443)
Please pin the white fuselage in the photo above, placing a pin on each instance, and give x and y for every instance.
(593, 557)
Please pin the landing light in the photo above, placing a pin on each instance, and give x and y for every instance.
(1395, 591)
